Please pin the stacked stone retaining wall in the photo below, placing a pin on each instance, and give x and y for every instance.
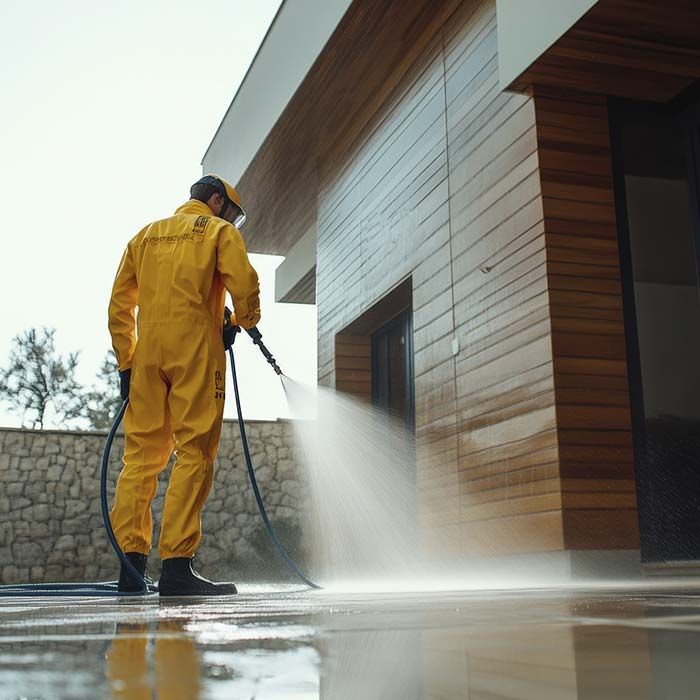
(50, 522)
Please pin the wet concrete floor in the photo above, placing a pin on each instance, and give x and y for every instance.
(272, 643)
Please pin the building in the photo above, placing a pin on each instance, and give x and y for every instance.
(494, 205)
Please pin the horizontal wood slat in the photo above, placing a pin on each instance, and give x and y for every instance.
(588, 338)
(353, 365)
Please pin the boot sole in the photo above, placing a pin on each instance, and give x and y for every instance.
(197, 595)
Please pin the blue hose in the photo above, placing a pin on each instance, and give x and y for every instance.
(109, 588)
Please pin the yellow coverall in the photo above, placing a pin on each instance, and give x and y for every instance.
(176, 271)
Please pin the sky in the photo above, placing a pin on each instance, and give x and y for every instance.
(107, 110)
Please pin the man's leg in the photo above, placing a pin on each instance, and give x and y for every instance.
(196, 402)
(148, 445)
(196, 409)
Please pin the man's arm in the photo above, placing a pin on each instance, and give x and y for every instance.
(121, 311)
(239, 276)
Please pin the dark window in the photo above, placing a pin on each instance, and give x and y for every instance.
(392, 368)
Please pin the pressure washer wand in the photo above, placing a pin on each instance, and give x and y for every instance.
(230, 332)
(256, 337)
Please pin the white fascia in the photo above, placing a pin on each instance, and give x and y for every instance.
(299, 261)
(527, 28)
(294, 41)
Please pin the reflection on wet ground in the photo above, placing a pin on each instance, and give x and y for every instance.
(291, 644)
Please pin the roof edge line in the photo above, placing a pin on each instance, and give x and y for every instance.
(245, 77)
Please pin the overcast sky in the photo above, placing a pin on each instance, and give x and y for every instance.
(107, 109)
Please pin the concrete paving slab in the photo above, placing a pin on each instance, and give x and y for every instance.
(272, 642)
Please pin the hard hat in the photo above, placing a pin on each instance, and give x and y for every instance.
(228, 192)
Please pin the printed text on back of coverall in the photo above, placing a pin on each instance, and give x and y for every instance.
(176, 271)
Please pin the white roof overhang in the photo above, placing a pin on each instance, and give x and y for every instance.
(294, 41)
(527, 28)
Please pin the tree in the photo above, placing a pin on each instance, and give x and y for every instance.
(38, 378)
(102, 401)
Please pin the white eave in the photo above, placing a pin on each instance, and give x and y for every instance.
(295, 39)
(527, 28)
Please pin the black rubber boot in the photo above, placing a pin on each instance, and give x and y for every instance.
(179, 579)
(127, 584)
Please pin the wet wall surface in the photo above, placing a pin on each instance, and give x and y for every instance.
(269, 643)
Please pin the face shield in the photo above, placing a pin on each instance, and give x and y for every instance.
(232, 211)
(234, 214)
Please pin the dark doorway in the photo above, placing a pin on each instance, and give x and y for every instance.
(392, 368)
(657, 208)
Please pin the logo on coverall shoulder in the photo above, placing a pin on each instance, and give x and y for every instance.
(219, 385)
(200, 224)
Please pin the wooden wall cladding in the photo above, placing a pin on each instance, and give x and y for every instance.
(384, 215)
(353, 365)
(498, 207)
(444, 186)
(368, 229)
(369, 53)
(507, 471)
(596, 462)
(640, 49)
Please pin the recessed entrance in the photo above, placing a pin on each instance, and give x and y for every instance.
(374, 355)
(656, 192)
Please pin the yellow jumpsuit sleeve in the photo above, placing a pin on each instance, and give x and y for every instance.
(122, 320)
(239, 276)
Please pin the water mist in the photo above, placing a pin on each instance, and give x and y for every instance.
(360, 467)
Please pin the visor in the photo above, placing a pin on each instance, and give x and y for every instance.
(239, 216)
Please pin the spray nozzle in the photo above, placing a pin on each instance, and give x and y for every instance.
(256, 337)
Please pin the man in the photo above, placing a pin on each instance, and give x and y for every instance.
(176, 271)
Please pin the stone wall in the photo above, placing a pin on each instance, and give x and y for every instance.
(50, 522)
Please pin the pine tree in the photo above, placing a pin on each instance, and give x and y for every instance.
(102, 401)
(38, 378)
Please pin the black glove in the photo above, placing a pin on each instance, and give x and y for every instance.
(124, 383)
(230, 335)
(230, 331)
